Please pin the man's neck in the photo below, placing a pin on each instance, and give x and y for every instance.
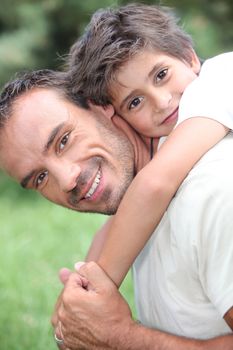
(141, 145)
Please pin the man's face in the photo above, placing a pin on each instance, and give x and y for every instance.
(74, 157)
(148, 89)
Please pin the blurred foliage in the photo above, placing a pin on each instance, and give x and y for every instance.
(36, 34)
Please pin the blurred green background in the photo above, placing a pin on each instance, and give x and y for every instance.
(37, 237)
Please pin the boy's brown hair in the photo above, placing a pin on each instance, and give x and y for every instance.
(112, 37)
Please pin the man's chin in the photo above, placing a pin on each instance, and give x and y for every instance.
(106, 211)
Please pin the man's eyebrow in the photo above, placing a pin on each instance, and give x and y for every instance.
(27, 178)
(52, 136)
(132, 93)
(49, 142)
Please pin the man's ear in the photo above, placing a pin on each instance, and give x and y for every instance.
(195, 62)
(107, 110)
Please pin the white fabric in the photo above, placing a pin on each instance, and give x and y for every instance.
(184, 275)
(211, 94)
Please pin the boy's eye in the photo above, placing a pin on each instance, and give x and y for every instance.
(40, 178)
(63, 142)
(161, 75)
(135, 102)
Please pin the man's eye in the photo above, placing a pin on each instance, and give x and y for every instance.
(63, 141)
(161, 75)
(40, 178)
(135, 102)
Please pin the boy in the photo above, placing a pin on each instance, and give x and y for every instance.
(138, 59)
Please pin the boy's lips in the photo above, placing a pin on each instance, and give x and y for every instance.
(172, 117)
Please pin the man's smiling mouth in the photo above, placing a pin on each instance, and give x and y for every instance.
(94, 186)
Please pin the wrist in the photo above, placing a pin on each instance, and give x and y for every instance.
(122, 335)
(135, 336)
(130, 335)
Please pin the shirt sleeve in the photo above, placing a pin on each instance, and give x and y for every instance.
(210, 94)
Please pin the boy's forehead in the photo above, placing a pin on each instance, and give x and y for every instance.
(147, 54)
(137, 66)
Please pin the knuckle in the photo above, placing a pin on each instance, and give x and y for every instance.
(66, 299)
(53, 321)
(89, 266)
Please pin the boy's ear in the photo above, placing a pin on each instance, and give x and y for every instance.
(107, 110)
(195, 62)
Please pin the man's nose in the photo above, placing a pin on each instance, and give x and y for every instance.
(66, 174)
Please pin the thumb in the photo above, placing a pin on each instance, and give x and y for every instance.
(97, 278)
(64, 275)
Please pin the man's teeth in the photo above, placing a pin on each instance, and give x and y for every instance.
(94, 185)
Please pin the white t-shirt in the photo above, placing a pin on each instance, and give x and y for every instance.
(211, 93)
(184, 275)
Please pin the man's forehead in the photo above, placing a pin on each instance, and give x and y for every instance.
(39, 111)
(26, 133)
(41, 98)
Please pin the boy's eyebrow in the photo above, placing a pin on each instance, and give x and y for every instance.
(127, 98)
(154, 69)
(150, 74)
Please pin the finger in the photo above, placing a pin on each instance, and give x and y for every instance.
(64, 274)
(76, 281)
(97, 278)
(58, 336)
(78, 264)
(54, 318)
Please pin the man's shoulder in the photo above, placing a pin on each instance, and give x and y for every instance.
(215, 64)
(206, 192)
(213, 173)
(222, 151)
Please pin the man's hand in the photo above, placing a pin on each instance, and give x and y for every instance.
(90, 311)
(64, 275)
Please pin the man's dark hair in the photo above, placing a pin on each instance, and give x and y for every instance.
(113, 37)
(29, 80)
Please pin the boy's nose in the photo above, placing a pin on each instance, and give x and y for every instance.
(162, 100)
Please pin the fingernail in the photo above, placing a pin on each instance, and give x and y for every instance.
(77, 265)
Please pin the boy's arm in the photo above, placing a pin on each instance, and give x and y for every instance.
(150, 193)
(98, 241)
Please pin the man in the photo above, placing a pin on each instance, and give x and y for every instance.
(77, 157)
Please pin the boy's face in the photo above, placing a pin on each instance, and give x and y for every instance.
(148, 90)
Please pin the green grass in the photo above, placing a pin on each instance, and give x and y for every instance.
(37, 239)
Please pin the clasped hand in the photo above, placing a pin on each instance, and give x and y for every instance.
(90, 313)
